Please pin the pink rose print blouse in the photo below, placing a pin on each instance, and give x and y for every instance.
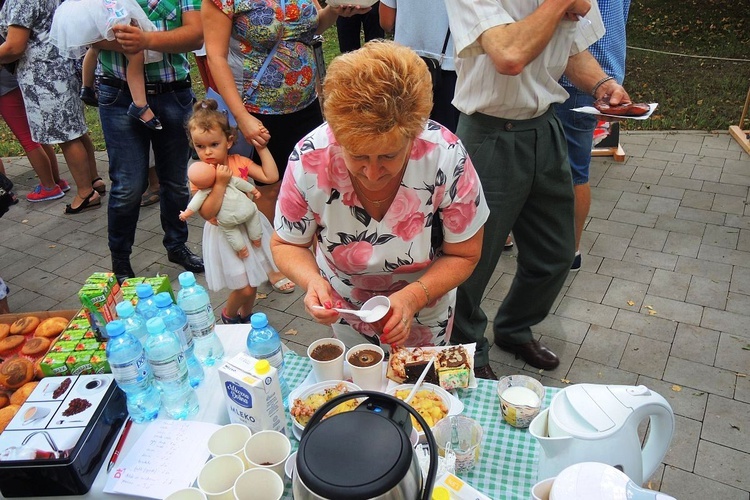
(362, 257)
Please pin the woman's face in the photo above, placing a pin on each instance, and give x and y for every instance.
(211, 145)
(376, 164)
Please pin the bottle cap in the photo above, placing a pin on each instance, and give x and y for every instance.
(115, 328)
(186, 279)
(143, 290)
(259, 320)
(262, 366)
(440, 493)
(163, 299)
(155, 325)
(125, 309)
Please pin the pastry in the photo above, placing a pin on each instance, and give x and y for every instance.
(4, 330)
(414, 370)
(15, 372)
(51, 327)
(25, 325)
(35, 346)
(22, 393)
(7, 414)
(4, 400)
(10, 342)
(624, 109)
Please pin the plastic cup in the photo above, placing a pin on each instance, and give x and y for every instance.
(269, 450)
(187, 494)
(328, 369)
(368, 378)
(230, 440)
(258, 484)
(216, 478)
(465, 435)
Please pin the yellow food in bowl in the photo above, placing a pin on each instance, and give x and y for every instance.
(428, 404)
(303, 409)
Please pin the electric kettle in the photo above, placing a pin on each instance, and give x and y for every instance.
(363, 454)
(599, 423)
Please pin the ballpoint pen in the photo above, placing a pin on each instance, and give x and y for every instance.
(120, 444)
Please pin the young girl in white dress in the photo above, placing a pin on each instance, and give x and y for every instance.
(79, 23)
(211, 136)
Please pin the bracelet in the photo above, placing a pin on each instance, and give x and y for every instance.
(600, 83)
(426, 292)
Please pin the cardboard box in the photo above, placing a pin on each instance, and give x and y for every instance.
(252, 399)
(62, 451)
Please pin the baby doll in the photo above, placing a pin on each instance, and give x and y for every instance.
(236, 208)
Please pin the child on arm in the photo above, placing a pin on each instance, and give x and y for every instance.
(211, 137)
(79, 23)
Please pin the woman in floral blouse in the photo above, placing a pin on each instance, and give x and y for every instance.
(372, 188)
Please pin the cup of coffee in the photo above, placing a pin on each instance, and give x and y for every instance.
(327, 358)
(216, 478)
(229, 440)
(258, 484)
(366, 364)
(269, 450)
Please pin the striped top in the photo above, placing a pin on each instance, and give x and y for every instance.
(480, 88)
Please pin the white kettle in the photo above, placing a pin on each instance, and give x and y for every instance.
(599, 423)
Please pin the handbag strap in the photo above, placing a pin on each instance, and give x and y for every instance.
(255, 82)
(445, 45)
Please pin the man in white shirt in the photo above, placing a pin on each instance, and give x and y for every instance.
(510, 56)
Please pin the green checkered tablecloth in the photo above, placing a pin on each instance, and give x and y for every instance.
(507, 465)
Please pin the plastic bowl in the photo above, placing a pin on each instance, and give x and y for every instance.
(519, 415)
(320, 388)
(439, 391)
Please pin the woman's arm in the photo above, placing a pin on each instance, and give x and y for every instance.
(15, 44)
(217, 53)
(444, 274)
(387, 17)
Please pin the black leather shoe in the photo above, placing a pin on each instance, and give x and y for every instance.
(534, 353)
(121, 268)
(484, 372)
(186, 259)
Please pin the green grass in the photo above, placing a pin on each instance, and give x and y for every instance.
(693, 93)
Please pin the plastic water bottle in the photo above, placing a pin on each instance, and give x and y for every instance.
(263, 342)
(193, 300)
(146, 306)
(134, 322)
(167, 359)
(175, 320)
(132, 373)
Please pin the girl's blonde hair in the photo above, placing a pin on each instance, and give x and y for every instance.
(206, 116)
(382, 89)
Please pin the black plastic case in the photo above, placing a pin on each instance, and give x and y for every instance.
(56, 444)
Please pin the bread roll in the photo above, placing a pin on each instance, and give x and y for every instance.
(9, 343)
(15, 372)
(4, 400)
(35, 346)
(22, 394)
(7, 414)
(51, 327)
(4, 330)
(25, 325)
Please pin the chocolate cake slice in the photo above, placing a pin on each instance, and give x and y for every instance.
(414, 370)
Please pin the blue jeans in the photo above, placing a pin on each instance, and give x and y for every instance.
(128, 142)
(579, 133)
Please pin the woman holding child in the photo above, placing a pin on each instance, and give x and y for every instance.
(375, 187)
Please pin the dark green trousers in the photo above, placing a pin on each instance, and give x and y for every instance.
(523, 165)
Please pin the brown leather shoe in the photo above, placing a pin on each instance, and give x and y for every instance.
(534, 353)
(484, 372)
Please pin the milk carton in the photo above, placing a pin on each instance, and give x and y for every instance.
(252, 393)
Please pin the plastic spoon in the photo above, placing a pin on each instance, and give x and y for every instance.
(418, 384)
(372, 310)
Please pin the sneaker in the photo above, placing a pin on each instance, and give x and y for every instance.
(63, 185)
(576, 265)
(41, 193)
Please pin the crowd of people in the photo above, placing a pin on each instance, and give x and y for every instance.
(435, 146)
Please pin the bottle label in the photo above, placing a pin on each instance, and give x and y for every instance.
(170, 369)
(201, 321)
(276, 358)
(132, 372)
(185, 335)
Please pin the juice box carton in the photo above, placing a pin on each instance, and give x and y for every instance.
(252, 398)
(99, 295)
(87, 345)
(53, 364)
(161, 284)
(79, 362)
(71, 334)
(99, 363)
(64, 346)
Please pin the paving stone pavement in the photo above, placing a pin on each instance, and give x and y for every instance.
(662, 299)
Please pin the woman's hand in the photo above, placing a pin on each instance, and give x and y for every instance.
(319, 293)
(349, 10)
(253, 130)
(404, 305)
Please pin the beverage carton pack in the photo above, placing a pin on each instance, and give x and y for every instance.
(252, 398)
(99, 295)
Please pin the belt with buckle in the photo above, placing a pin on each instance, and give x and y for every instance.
(151, 88)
